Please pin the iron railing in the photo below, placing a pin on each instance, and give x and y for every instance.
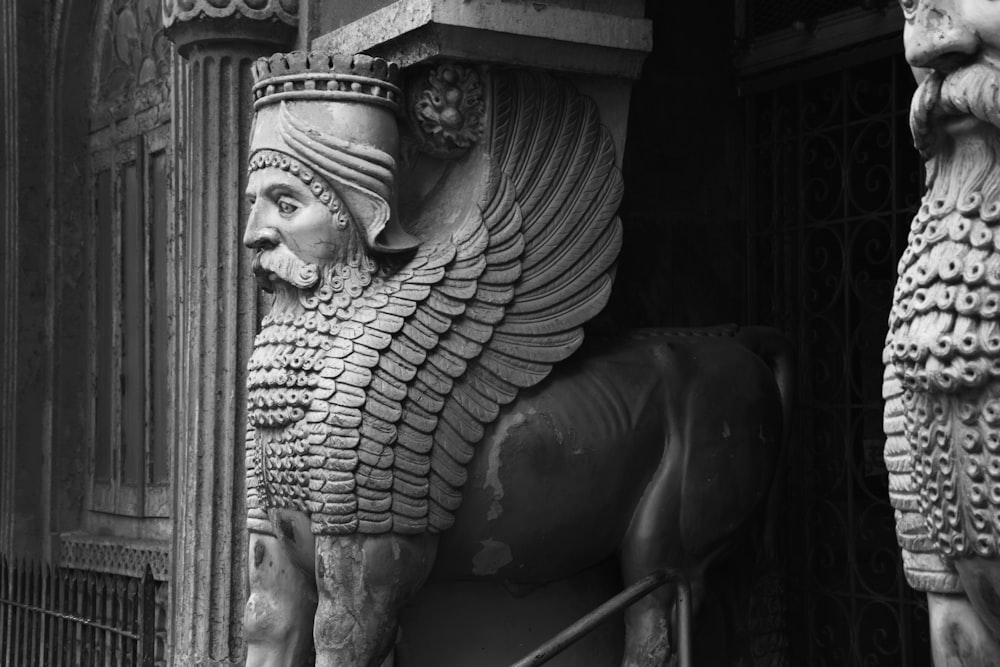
(55, 617)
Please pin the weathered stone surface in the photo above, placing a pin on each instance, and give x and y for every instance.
(942, 354)
(189, 22)
(221, 39)
(542, 35)
(426, 279)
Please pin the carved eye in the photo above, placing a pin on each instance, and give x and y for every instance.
(908, 6)
(287, 206)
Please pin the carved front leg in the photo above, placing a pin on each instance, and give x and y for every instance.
(282, 598)
(363, 582)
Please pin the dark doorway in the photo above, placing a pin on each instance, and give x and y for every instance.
(833, 184)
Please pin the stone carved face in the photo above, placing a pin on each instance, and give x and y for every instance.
(958, 42)
(294, 232)
(943, 345)
(944, 333)
(941, 34)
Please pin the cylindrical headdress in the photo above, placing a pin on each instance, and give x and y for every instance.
(331, 120)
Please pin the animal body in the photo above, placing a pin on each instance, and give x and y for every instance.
(659, 447)
(404, 417)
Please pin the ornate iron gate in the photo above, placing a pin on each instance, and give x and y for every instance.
(52, 618)
(834, 182)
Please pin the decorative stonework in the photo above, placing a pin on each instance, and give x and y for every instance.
(134, 67)
(942, 352)
(323, 76)
(285, 11)
(189, 22)
(401, 348)
(447, 109)
(115, 555)
(368, 423)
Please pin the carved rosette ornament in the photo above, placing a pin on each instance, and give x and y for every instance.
(264, 21)
(396, 335)
(447, 109)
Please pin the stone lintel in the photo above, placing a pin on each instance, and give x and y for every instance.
(532, 34)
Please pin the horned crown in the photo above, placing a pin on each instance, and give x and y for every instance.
(319, 75)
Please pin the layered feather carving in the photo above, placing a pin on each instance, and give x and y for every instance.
(424, 359)
(527, 275)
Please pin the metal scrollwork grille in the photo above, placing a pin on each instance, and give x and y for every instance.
(834, 182)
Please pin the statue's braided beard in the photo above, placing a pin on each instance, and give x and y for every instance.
(944, 336)
(286, 375)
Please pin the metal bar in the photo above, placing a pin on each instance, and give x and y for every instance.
(62, 634)
(17, 648)
(41, 622)
(131, 592)
(90, 611)
(27, 639)
(684, 624)
(32, 638)
(86, 610)
(147, 631)
(55, 628)
(4, 610)
(77, 585)
(50, 603)
(101, 616)
(83, 620)
(636, 591)
(118, 619)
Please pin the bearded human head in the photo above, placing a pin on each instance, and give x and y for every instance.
(943, 334)
(322, 164)
(942, 350)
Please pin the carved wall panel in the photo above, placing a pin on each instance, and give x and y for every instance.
(132, 208)
(132, 72)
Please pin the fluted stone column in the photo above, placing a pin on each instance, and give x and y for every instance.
(219, 39)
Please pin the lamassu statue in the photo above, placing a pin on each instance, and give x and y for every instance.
(942, 382)
(403, 421)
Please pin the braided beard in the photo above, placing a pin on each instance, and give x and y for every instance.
(286, 377)
(943, 329)
(944, 337)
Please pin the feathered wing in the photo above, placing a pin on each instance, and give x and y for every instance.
(490, 308)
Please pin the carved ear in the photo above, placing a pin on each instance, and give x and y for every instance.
(374, 215)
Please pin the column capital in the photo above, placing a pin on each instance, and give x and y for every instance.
(194, 22)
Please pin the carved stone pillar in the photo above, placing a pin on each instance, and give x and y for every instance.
(8, 274)
(219, 39)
